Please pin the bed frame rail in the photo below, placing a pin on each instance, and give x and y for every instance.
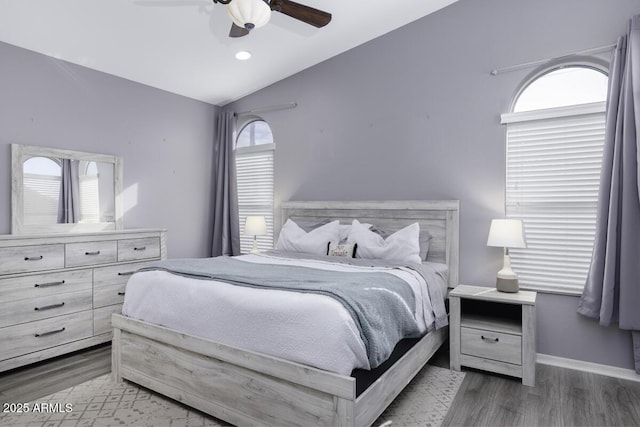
(246, 388)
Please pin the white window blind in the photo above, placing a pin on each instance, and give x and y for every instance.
(89, 199)
(41, 194)
(254, 171)
(553, 173)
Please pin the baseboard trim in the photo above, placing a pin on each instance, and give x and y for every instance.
(595, 368)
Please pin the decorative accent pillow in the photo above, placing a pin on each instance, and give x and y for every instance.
(401, 246)
(294, 239)
(346, 250)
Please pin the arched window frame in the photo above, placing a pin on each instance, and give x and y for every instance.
(559, 224)
(255, 188)
(41, 192)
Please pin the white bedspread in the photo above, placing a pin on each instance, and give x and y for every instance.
(307, 328)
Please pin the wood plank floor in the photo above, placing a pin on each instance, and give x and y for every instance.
(562, 397)
(41, 379)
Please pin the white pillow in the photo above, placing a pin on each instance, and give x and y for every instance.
(401, 246)
(294, 239)
(344, 230)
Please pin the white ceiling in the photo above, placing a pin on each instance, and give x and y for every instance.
(182, 46)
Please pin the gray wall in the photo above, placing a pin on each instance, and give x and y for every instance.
(164, 139)
(415, 115)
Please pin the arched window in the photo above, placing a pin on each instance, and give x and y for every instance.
(562, 87)
(41, 177)
(254, 170)
(555, 136)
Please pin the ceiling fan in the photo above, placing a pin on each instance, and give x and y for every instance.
(249, 14)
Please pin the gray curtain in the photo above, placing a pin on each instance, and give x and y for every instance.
(69, 198)
(612, 290)
(226, 227)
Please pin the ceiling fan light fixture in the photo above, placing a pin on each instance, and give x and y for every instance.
(249, 14)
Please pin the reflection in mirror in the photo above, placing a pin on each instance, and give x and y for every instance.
(57, 190)
(41, 182)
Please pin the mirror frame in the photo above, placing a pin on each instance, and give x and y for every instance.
(20, 152)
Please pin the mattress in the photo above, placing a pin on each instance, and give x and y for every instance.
(307, 328)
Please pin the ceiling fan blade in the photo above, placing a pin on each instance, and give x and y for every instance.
(311, 16)
(237, 31)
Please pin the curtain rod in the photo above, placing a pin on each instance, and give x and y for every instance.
(279, 107)
(592, 51)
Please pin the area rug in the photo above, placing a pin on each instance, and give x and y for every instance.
(101, 402)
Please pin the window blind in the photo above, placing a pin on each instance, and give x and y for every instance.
(254, 174)
(41, 194)
(89, 199)
(552, 177)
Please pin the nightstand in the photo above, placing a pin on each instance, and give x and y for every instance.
(493, 331)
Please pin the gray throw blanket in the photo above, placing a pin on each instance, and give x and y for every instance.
(381, 304)
(434, 276)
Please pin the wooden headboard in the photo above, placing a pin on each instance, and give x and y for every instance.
(440, 217)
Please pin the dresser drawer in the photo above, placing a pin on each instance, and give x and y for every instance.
(33, 336)
(40, 285)
(28, 310)
(108, 295)
(25, 259)
(135, 249)
(91, 253)
(115, 274)
(102, 318)
(491, 345)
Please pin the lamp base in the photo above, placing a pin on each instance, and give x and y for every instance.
(507, 285)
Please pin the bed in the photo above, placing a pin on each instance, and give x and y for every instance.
(247, 387)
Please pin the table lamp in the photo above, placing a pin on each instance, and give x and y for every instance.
(255, 225)
(506, 233)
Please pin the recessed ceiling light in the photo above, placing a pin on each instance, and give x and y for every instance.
(243, 55)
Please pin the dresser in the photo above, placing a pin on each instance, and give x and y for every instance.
(493, 331)
(58, 291)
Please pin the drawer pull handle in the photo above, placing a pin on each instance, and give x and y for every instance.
(44, 334)
(489, 339)
(49, 307)
(92, 253)
(33, 258)
(140, 248)
(46, 285)
(121, 293)
(125, 273)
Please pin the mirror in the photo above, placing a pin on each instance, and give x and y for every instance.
(56, 190)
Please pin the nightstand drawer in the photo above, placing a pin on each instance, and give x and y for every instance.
(491, 345)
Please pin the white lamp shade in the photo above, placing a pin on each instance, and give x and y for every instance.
(255, 226)
(506, 233)
(249, 14)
